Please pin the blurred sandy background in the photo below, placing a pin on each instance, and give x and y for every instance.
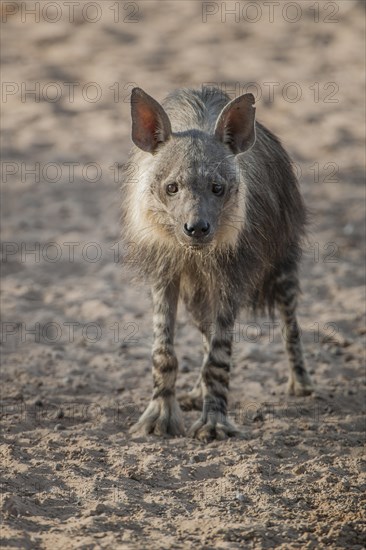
(76, 336)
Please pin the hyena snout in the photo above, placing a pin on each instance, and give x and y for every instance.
(197, 228)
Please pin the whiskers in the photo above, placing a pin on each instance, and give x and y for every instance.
(154, 229)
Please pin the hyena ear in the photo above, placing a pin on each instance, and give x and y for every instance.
(150, 123)
(235, 125)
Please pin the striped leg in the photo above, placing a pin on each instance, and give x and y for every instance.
(199, 303)
(214, 423)
(163, 415)
(286, 297)
(194, 398)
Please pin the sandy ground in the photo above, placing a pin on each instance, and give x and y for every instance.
(77, 336)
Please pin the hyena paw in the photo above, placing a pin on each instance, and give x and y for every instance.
(214, 426)
(300, 384)
(191, 401)
(161, 417)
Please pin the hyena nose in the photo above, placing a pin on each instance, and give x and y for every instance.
(197, 229)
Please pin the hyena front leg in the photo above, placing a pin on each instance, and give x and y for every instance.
(214, 381)
(163, 415)
(286, 298)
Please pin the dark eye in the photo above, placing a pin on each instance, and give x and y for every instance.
(172, 188)
(217, 189)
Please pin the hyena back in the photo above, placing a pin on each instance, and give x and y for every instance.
(216, 219)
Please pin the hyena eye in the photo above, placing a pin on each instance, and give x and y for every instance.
(172, 188)
(217, 189)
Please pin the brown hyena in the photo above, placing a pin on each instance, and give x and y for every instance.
(216, 219)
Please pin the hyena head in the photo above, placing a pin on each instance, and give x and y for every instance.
(193, 194)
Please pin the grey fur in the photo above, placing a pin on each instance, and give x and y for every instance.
(248, 258)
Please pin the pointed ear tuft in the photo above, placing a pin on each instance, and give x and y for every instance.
(235, 125)
(150, 123)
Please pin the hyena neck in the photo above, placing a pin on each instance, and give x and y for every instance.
(202, 271)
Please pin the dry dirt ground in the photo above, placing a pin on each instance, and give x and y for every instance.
(76, 335)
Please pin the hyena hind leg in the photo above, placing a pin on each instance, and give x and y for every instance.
(193, 400)
(286, 299)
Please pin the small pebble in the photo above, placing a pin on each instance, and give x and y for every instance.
(345, 482)
(59, 427)
(196, 458)
(300, 469)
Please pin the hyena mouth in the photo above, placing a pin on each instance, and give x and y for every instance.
(198, 247)
(198, 243)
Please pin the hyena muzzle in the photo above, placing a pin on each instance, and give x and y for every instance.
(216, 219)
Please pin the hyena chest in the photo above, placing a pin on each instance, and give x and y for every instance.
(200, 289)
